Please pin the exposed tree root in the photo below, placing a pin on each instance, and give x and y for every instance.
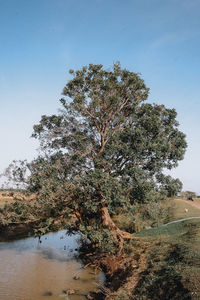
(118, 234)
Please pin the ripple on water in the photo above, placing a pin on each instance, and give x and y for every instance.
(29, 269)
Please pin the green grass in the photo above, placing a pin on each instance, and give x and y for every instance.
(175, 229)
(173, 262)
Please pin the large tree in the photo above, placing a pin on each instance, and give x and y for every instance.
(109, 145)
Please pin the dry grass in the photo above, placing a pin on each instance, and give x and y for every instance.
(7, 197)
(180, 205)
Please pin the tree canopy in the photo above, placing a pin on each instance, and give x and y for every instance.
(106, 148)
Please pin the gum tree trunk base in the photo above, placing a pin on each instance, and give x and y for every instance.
(119, 235)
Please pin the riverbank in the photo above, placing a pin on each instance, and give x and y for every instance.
(22, 215)
(162, 264)
(117, 268)
(146, 266)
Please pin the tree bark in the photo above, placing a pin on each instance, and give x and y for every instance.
(118, 234)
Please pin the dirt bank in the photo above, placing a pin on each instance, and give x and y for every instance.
(17, 231)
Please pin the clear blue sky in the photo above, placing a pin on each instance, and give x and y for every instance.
(41, 40)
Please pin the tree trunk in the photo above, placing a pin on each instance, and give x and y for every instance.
(118, 234)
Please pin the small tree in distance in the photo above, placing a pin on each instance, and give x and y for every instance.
(108, 147)
(189, 195)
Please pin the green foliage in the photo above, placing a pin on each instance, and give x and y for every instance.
(105, 149)
(188, 194)
(146, 215)
(170, 186)
(123, 296)
(17, 212)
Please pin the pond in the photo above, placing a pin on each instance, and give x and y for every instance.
(33, 269)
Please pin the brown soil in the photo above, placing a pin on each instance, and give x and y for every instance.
(127, 277)
(123, 271)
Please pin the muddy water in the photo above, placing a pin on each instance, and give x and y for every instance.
(37, 270)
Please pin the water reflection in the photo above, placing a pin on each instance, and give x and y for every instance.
(31, 269)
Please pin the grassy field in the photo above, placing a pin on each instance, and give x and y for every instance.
(179, 206)
(165, 260)
(173, 263)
